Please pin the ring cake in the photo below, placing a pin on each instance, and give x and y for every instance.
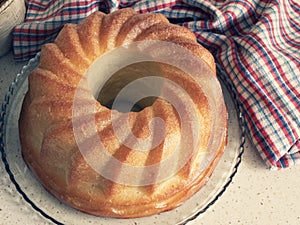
(48, 126)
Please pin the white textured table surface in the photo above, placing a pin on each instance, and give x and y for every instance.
(256, 195)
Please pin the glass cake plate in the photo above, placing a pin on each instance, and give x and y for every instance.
(44, 208)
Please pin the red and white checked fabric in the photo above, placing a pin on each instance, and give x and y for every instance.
(256, 45)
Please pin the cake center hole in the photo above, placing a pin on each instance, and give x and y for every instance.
(132, 87)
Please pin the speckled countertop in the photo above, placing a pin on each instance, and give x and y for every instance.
(256, 195)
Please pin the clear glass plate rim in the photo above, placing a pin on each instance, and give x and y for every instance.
(20, 77)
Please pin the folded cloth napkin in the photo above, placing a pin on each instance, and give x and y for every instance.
(256, 45)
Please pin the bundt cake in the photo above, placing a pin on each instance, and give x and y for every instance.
(66, 130)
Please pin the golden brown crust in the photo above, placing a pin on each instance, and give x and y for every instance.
(47, 132)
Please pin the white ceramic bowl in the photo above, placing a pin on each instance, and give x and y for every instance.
(12, 13)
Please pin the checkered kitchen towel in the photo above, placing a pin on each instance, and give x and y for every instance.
(256, 45)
